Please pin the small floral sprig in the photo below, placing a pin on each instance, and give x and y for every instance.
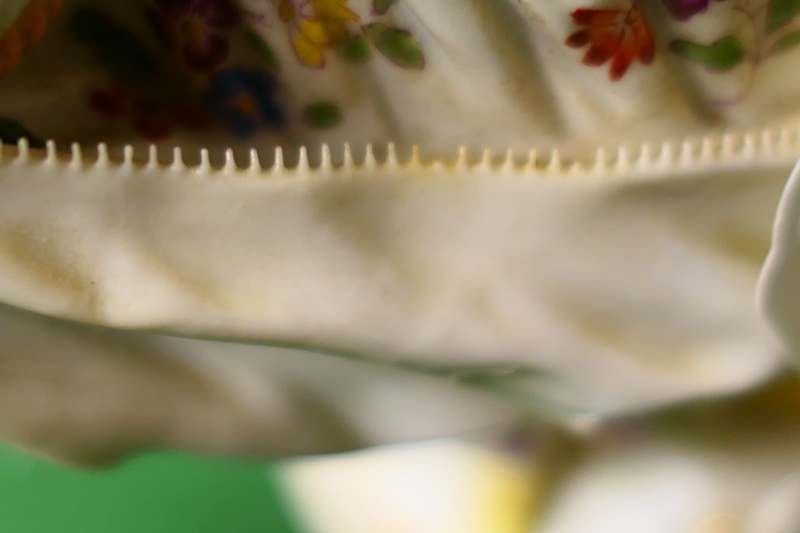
(769, 31)
(317, 26)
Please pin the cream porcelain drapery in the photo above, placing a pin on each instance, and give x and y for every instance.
(569, 291)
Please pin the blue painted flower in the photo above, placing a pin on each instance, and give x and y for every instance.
(245, 99)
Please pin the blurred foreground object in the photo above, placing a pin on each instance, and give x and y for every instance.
(711, 467)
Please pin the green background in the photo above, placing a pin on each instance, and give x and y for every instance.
(159, 493)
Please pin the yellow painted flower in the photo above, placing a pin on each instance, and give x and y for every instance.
(314, 26)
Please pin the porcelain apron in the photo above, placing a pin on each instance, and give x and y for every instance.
(464, 211)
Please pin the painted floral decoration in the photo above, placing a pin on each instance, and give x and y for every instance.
(198, 28)
(686, 9)
(768, 29)
(23, 32)
(137, 90)
(317, 26)
(157, 99)
(618, 35)
(245, 99)
(621, 35)
(314, 26)
(153, 119)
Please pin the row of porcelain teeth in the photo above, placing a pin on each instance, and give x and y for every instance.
(710, 150)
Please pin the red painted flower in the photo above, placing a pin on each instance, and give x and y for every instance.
(112, 103)
(616, 34)
(153, 117)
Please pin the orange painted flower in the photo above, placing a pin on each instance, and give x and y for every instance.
(25, 31)
(618, 35)
(314, 26)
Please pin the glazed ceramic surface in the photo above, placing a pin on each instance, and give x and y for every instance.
(465, 211)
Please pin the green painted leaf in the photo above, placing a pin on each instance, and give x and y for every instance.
(781, 12)
(381, 7)
(721, 55)
(266, 51)
(11, 131)
(786, 43)
(118, 47)
(397, 45)
(356, 50)
(323, 115)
